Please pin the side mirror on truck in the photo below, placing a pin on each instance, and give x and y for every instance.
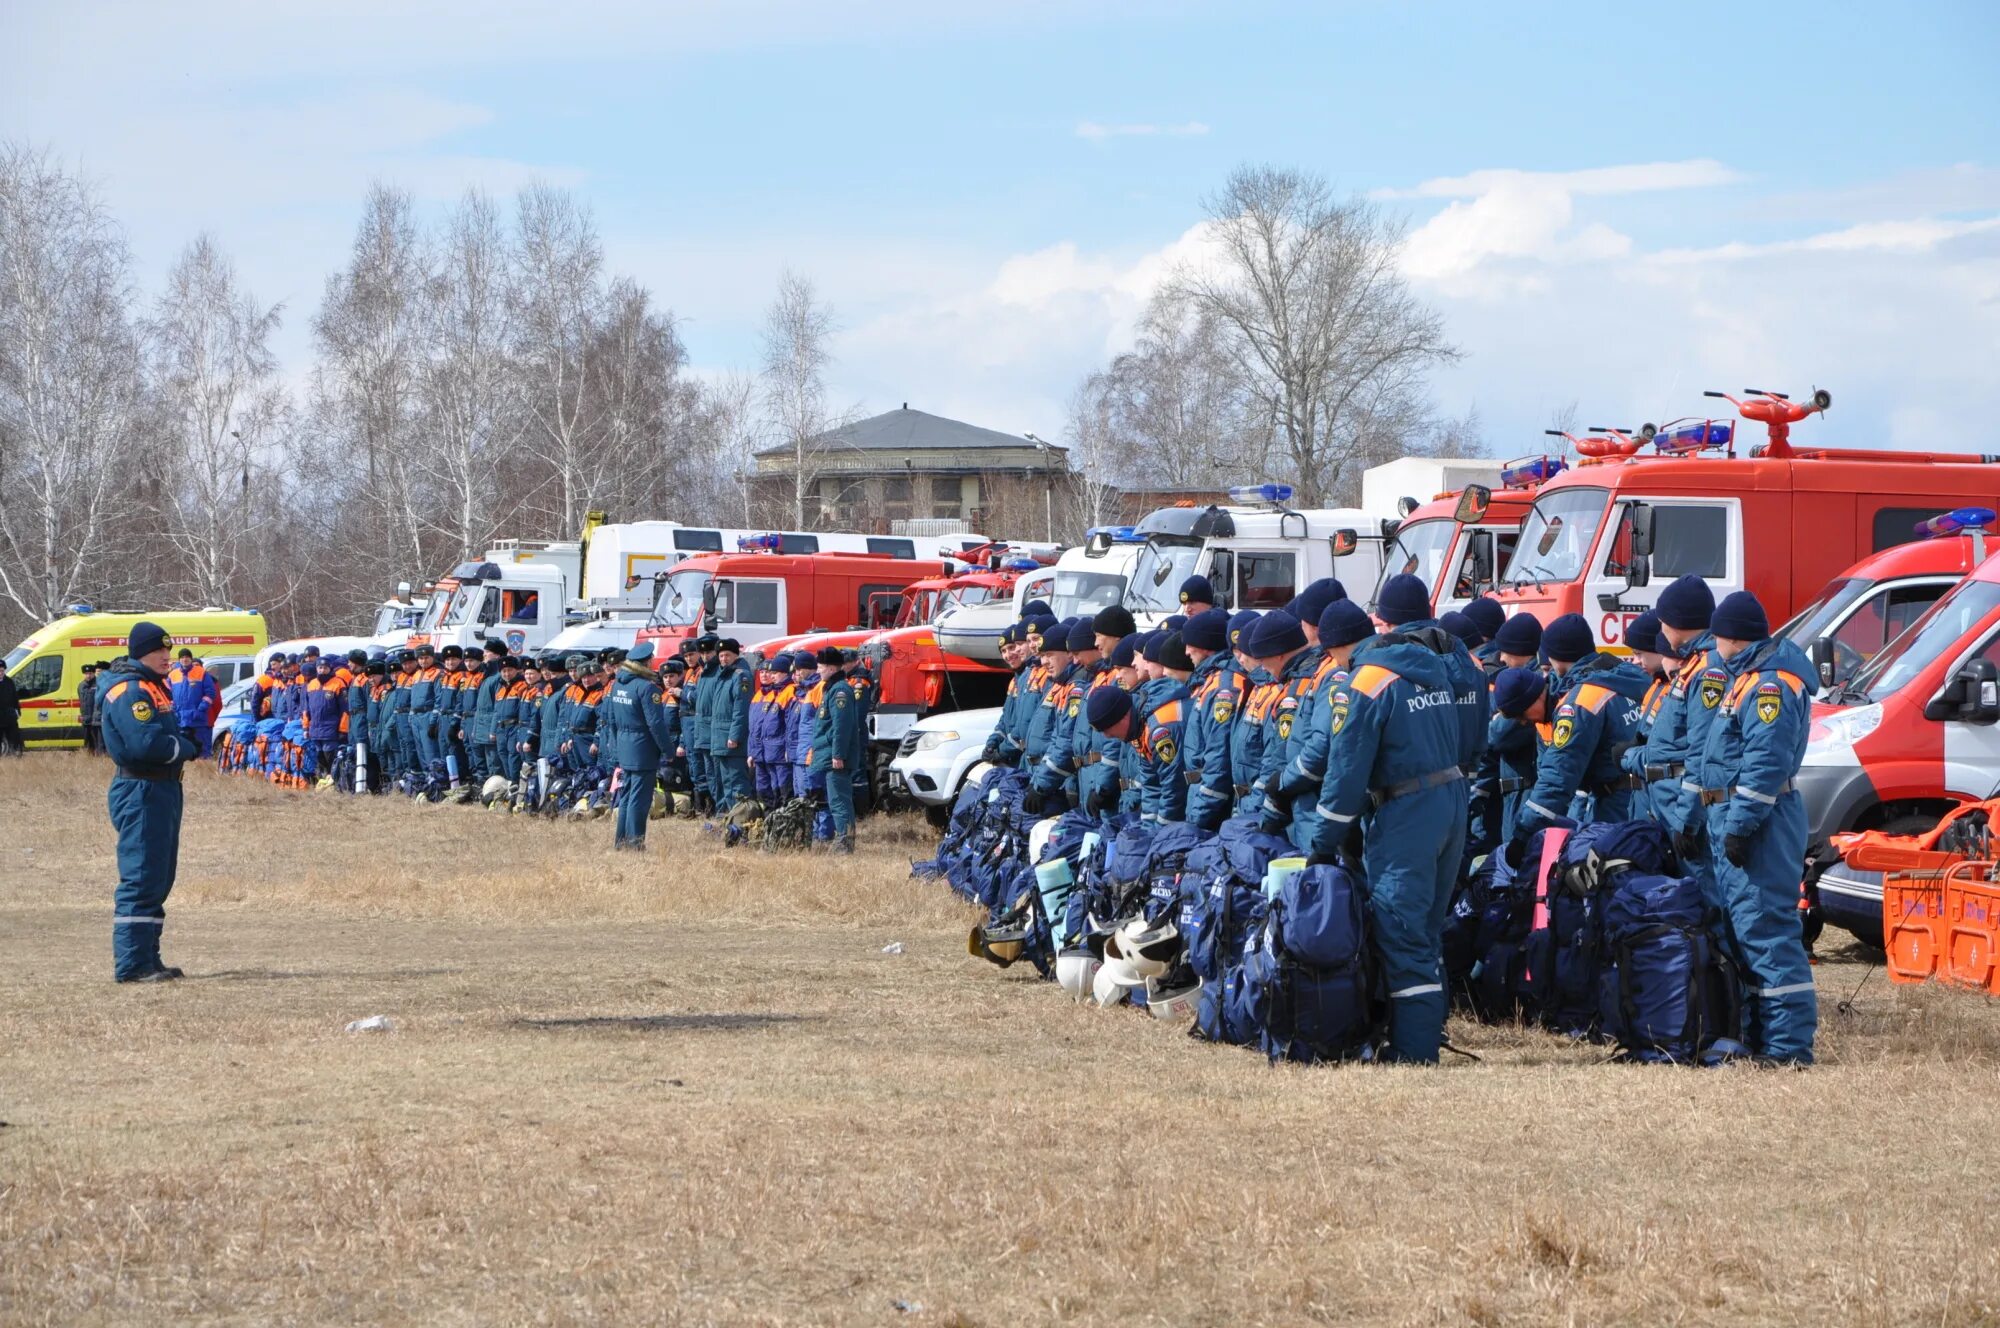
(1479, 560)
(1639, 570)
(1825, 662)
(1972, 696)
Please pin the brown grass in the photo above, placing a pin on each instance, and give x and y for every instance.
(690, 1088)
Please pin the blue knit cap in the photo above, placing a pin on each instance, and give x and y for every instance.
(1343, 623)
(145, 638)
(1311, 602)
(1239, 624)
(1487, 616)
(1520, 635)
(1082, 636)
(1687, 604)
(1740, 618)
(1197, 588)
(1461, 627)
(1404, 599)
(1643, 633)
(1125, 652)
(1208, 630)
(1517, 689)
(1276, 633)
(1106, 706)
(1568, 639)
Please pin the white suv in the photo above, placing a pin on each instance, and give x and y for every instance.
(935, 754)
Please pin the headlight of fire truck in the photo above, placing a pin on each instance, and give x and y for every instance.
(1844, 728)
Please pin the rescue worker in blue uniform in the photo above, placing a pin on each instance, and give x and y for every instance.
(1155, 737)
(1753, 748)
(1196, 596)
(1685, 608)
(1344, 628)
(366, 673)
(1054, 699)
(1053, 781)
(1100, 770)
(1003, 745)
(799, 722)
(479, 729)
(1215, 694)
(1661, 662)
(147, 746)
(1278, 645)
(1579, 773)
(1403, 613)
(196, 699)
(1247, 737)
(729, 725)
(836, 745)
(1392, 766)
(637, 730)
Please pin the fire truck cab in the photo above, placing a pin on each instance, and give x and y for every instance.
(1608, 532)
(1257, 552)
(1911, 735)
(754, 597)
(1871, 603)
(1457, 543)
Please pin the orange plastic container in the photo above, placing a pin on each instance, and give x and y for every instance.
(1971, 956)
(1913, 925)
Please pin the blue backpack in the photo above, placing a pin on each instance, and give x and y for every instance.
(1670, 993)
(1307, 975)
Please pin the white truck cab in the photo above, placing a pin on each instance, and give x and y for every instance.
(1256, 552)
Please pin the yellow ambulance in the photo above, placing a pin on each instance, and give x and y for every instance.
(47, 667)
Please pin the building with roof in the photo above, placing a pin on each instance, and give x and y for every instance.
(910, 465)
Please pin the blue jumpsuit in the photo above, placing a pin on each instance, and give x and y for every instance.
(1252, 730)
(1304, 771)
(1751, 755)
(837, 737)
(1096, 756)
(637, 729)
(358, 693)
(1663, 759)
(1215, 695)
(729, 722)
(1393, 760)
(479, 730)
(145, 741)
(1003, 745)
(1054, 777)
(1162, 783)
(1590, 729)
(799, 723)
(694, 729)
(1708, 687)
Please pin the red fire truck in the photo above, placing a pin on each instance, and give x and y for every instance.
(757, 595)
(1457, 542)
(1913, 734)
(1608, 531)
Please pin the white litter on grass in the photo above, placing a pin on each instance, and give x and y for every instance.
(374, 1023)
(893, 947)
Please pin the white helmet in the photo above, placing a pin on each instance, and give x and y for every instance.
(1038, 837)
(1172, 999)
(978, 771)
(496, 786)
(1151, 950)
(1116, 976)
(1076, 973)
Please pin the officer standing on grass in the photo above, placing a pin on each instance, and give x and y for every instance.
(1750, 760)
(146, 742)
(637, 728)
(836, 744)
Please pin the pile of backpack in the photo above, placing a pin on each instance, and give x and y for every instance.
(1596, 935)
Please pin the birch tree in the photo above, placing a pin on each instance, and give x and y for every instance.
(1323, 329)
(217, 393)
(69, 384)
(797, 327)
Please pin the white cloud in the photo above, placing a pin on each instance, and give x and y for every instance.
(1896, 315)
(1700, 173)
(1097, 133)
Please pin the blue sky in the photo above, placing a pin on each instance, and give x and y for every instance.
(1613, 205)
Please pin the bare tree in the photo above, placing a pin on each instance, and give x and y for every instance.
(1322, 327)
(69, 384)
(559, 308)
(797, 328)
(221, 404)
(1094, 457)
(364, 394)
(466, 387)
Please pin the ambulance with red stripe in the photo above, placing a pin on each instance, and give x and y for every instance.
(1912, 735)
(1610, 530)
(47, 667)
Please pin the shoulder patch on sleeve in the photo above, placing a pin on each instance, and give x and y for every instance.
(1592, 697)
(116, 692)
(1370, 679)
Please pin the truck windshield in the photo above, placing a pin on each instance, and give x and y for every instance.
(434, 611)
(1557, 537)
(1418, 549)
(467, 601)
(1163, 564)
(15, 656)
(1079, 593)
(680, 600)
(964, 597)
(1816, 618)
(1942, 627)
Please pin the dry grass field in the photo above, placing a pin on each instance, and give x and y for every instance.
(691, 1088)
